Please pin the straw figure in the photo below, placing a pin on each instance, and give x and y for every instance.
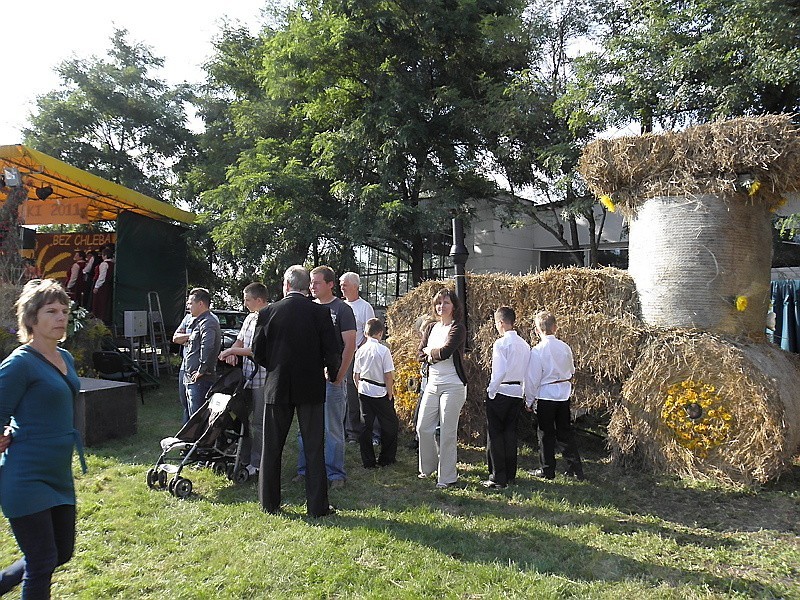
(674, 348)
(699, 206)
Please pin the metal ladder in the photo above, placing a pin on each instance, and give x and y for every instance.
(158, 335)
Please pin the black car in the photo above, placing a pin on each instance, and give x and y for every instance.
(230, 322)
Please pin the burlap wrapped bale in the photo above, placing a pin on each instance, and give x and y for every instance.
(597, 310)
(702, 262)
(704, 406)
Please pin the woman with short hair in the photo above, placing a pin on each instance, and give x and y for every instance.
(38, 386)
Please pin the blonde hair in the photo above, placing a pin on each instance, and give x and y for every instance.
(546, 322)
(36, 294)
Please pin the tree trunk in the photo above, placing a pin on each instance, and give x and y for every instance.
(417, 255)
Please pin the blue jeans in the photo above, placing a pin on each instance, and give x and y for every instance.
(47, 540)
(196, 395)
(335, 410)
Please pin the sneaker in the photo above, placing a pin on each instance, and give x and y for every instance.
(444, 486)
(298, 478)
(376, 442)
(252, 471)
(541, 474)
(336, 483)
(493, 485)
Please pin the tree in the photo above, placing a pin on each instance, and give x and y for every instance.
(671, 63)
(529, 136)
(369, 127)
(113, 118)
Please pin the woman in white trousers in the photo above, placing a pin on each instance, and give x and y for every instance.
(441, 349)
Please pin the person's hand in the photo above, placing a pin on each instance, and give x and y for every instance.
(195, 376)
(230, 359)
(5, 439)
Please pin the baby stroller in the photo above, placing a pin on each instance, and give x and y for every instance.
(213, 436)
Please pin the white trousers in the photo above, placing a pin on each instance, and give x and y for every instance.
(440, 406)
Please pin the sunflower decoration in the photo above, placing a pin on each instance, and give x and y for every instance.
(406, 386)
(697, 416)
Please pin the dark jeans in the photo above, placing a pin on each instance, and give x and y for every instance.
(555, 426)
(382, 410)
(502, 415)
(47, 540)
(196, 395)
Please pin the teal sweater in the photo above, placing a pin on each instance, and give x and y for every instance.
(36, 469)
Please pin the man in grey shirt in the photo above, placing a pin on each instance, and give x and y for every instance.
(202, 349)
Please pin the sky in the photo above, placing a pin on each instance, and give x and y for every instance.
(35, 38)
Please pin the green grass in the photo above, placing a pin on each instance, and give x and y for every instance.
(619, 535)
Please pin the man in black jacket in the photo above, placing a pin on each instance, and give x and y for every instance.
(295, 342)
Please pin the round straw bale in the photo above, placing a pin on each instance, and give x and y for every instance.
(707, 407)
(702, 262)
(760, 155)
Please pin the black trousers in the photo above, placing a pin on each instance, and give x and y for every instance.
(381, 409)
(47, 540)
(554, 423)
(277, 422)
(502, 414)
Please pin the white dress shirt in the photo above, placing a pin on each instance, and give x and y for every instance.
(510, 355)
(549, 369)
(372, 361)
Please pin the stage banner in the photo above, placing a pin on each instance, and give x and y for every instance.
(54, 251)
(65, 211)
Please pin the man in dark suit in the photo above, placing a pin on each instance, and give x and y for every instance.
(295, 342)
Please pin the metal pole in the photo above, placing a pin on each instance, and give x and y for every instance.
(459, 254)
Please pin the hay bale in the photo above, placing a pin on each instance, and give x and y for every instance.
(597, 312)
(704, 406)
(721, 158)
(702, 262)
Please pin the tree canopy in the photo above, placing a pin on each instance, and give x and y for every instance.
(113, 117)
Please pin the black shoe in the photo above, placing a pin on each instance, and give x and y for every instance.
(541, 474)
(576, 474)
(328, 513)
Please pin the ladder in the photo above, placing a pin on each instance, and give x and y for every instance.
(158, 335)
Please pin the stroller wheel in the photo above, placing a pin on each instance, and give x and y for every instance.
(162, 479)
(219, 467)
(182, 487)
(241, 475)
(229, 471)
(171, 486)
(152, 479)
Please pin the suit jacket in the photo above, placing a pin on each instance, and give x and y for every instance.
(294, 341)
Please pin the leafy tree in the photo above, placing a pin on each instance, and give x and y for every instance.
(368, 127)
(529, 134)
(670, 63)
(112, 117)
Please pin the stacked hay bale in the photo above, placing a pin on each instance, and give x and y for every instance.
(700, 405)
(598, 315)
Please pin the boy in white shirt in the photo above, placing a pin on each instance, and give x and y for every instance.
(504, 401)
(373, 374)
(547, 390)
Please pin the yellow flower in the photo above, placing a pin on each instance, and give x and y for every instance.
(608, 203)
(697, 433)
(741, 303)
(754, 187)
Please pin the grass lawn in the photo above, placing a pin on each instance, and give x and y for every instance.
(618, 535)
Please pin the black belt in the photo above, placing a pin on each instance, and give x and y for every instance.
(511, 383)
(383, 385)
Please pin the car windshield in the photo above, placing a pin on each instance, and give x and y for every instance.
(230, 320)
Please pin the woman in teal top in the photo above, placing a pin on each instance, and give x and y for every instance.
(38, 384)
